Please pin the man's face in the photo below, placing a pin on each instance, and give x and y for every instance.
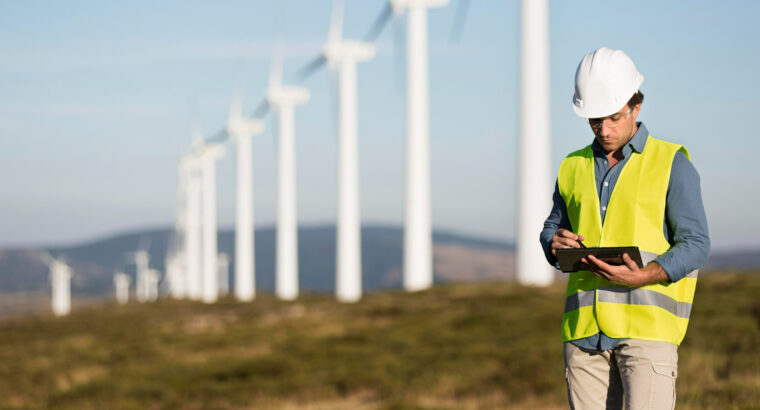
(614, 131)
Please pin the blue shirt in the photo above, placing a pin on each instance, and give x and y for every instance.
(684, 225)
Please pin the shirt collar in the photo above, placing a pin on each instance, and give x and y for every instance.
(636, 143)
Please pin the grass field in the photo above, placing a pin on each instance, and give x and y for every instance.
(467, 346)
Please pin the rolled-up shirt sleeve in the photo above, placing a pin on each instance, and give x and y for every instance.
(685, 222)
(557, 219)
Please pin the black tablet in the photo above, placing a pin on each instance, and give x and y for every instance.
(570, 258)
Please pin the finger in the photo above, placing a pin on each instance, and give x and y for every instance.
(560, 243)
(586, 265)
(629, 262)
(569, 243)
(603, 266)
(568, 234)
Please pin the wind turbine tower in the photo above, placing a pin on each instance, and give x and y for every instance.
(152, 278)
(121, 287)
(192, 235)
(534, 154)
(343, 55)
(283, 99)
(241, 130)
(142, 282)
(176, 261)
(224, 274)
(208, 153)
(175, 276)
(60, 278)
(418, 234)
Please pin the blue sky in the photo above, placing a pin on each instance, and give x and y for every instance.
(98, 98)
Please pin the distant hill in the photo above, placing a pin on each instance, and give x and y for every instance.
(742, 260)
(456, 257)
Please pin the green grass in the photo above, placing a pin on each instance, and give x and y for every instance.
(460, 346)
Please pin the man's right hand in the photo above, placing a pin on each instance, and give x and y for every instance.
(565, 239)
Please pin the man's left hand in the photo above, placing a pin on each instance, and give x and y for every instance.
(628, 274)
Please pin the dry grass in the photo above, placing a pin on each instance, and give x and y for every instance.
(469, 346)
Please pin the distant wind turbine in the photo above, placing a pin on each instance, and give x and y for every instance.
(343, 55)
(121, 287)
(60, 280)
(192, 235)
(418, 237)
(152, 278)
(241, 130)
(223, 269)
(283, 99)
(141, 259)
(208, 153)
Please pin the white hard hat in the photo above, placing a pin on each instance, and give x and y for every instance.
(604, 82)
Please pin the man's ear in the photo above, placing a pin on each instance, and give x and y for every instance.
(636, 110)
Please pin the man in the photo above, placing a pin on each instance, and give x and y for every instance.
(622, 324)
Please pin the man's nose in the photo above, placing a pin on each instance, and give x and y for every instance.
(605, 129)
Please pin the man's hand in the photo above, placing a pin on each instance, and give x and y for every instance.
(565, 239)
(627, 274)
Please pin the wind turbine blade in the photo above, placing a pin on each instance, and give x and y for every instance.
(336, 22)
(46, 257)
(399, 53)
(275, 136)
(377, 27)
(463, 6)
(333, 91)
(236, 104)
(218, 137)
(261, 110)
(311, 67)
(196, 134)
(275, 67)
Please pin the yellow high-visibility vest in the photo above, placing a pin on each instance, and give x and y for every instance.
(635, 216)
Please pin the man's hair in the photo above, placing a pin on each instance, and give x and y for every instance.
(635, 100)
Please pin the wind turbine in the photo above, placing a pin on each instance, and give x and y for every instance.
(534, 158)
(190, 163)
(208, 153)
(283, 99)
(121, 287)
(152, 278)
(175, 261)
(241, 130)
(223, 269)
(141, 259)
(175, 276)
(60, 280)
(418, 237)
(343, 55)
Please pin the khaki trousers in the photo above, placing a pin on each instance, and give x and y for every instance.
(640, 373)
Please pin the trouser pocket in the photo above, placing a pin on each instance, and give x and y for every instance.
(663, 391)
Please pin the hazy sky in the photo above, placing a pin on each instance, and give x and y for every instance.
(98, 98)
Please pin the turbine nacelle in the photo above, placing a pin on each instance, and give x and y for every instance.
(210, 150)
(141, 258)
(337, 52)
(287, 95)
(60, 268)
(398, 6)
(239, 127)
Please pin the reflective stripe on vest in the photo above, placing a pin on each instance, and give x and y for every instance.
(635, 216)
